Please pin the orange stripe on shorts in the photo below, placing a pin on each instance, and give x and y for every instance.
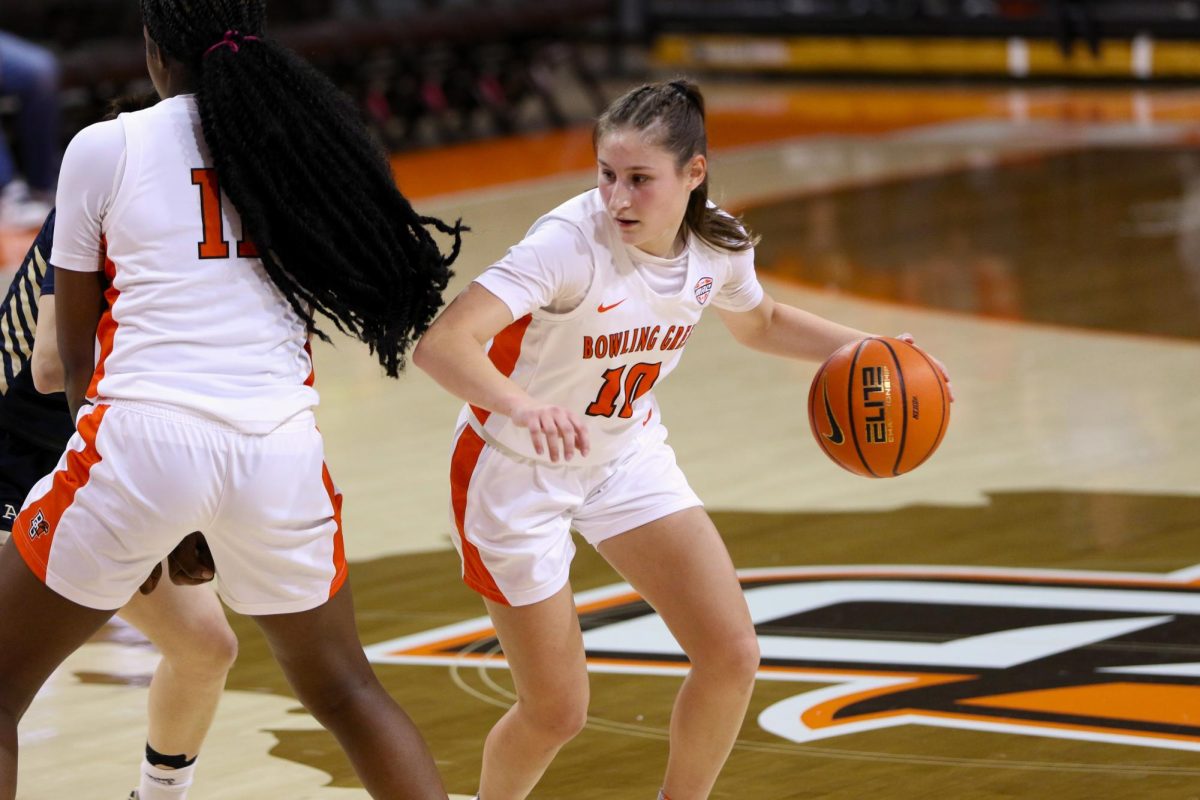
(462, 467)
(35, 526)
(339, 547)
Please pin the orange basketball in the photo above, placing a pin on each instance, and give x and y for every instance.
(878, 407)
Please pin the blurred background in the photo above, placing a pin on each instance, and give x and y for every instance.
(1017, 182)
(433, 72)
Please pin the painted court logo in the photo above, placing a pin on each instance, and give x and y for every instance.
(1100, 657)
(38, 526)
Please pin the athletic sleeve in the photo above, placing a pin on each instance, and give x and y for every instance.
(87, 182)
(741, 291)
(38, 258)
(551, 268)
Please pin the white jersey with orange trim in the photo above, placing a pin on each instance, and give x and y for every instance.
(603, 356)
(193, 319)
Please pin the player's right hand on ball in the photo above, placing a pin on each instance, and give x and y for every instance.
(191, 562)
(554, 430)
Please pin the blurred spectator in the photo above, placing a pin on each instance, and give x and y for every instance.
(29, 73)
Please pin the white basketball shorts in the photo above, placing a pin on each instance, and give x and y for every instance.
(514, 516)
(136, 478)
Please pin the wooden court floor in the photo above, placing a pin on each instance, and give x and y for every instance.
(1018, 618)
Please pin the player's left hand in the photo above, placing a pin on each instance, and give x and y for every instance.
(151, 580)
(191, 562)
(908, 339)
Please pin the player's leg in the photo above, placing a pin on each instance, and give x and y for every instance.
(277, 546)
(323, 659)
(679, 564)
(513, 534)
(38, 630)
(187, 624)
(544, 649)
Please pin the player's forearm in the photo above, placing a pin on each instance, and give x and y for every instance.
(79, 302)
(458, 363)
(794, 333)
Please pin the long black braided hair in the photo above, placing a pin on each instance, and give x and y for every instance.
(315, 193)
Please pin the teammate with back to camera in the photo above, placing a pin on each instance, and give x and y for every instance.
(585, 316)
(186, 623)
(220, 245)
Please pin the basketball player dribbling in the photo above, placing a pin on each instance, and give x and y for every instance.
(185, 623)
(248, 200)
(584, 317)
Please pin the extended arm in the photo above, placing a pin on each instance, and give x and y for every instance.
(784, 330)
(451, 351)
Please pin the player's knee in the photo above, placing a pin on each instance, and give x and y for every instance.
(561, 718)
(564, 724)
(209, 652)
(222, 647)
(735, 659)
(330, 692)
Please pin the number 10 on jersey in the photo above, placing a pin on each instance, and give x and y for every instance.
(637, 380)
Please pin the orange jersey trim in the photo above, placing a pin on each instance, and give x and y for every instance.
(504, 352)
(106, 330)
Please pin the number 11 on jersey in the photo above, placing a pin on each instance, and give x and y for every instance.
(213, 245)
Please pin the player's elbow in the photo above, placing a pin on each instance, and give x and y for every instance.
(47, 372)
(420, 353)
(430, 349)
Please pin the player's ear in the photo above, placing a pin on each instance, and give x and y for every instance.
(696, 170)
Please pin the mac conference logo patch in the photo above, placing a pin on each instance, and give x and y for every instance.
(1100, 657)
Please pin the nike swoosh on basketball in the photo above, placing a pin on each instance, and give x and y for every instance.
(602, 308)
(835, 435)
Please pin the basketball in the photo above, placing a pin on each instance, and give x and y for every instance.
(878, 407)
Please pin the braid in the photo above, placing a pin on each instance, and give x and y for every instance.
(315, 193)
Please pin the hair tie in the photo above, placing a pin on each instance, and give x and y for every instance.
(233, 39)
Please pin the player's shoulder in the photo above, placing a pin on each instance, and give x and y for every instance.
(582, 209)
(96, 143)
(573, 220)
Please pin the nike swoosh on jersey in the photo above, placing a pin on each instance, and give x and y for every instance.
(602, 308)
(835, 435)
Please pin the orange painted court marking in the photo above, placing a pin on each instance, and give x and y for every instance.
(1164, 703)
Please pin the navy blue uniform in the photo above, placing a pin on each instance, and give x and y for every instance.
(34, 427)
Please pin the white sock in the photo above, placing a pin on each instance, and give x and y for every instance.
(159, 783)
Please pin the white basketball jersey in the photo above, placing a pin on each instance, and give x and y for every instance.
(193, 320)
(604, 358)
